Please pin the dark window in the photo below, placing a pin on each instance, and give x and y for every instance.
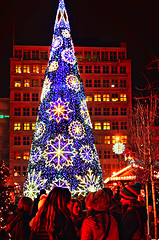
(106, 83)
(98, 111)
(104, 56)
(106, 154)
(105, 69)
(35, 97)
(124, 125)
(113, 56)
(123, 70)
(35, 83)
(115, 126)
(26, 55)
(34, 111)
(81, 69)
(17, 112)
(121, 55)
(44, 55)
(88, 69)
(114, 111)
(96, 69)
(18, 53)
(24, 171)
(26, 97)
(26, 140)
(114, 69)
(123, 111)
(97, 83)
(16, 140)
(100, 154)
(35, 54)
(122, 83)
(87, 55)
(106, 111)
(96, 56)
(88, 83)
(17, 97)
(90, 111)
(26, 112)
(114, 83)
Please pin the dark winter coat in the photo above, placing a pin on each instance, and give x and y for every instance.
(19, 225)
(131, 222)
(68, 233)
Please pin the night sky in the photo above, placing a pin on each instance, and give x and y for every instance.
(93, 23)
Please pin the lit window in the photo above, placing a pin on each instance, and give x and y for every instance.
(33, 125)
(18, 69)
(89, 98)
(106, 97)
(17, 83)
(97, 97)
(123, 97)
(26, 155)
(43, 68)
(17, 126)
(17, 170)
(114, 97)
(35, 83)
(97, 126)
(115, 139)
(79, 55)
(17, 155)
(26, 82)
(26, 69)
(106, 126)
(124, 139)
(26, 126)
(35, 69)
(107, 139)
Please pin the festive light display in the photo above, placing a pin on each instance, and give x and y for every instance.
(118, 148)
(63, 151)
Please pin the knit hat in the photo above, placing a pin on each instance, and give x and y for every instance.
(99, 201)
(130, 192)
(42, 200)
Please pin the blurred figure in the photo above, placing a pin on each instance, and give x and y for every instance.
(134, 215)
(53, 221)
(36, 201)
(98, 224)
(18, 223)
(77, 215)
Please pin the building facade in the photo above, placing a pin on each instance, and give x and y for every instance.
(106, 75)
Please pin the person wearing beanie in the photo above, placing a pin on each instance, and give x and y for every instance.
(99, 225)
(134, 213)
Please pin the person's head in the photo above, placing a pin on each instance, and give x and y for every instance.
(77, 207)
(55, 202)
(42, 191)
(25, 204)
(130, 193)
(109, 192)
(99, 201)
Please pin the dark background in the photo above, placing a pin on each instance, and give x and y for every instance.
(93, 23)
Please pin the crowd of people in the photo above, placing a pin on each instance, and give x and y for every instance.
(99, 216)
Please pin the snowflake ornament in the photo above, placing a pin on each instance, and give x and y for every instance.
(59, 110)
(66, 33)
(68, 56)
(88, 183)
(59, 152)
(60, 182)
(53, 66)
(86, 153)
(39, 130)
(76, 130)
(57, 42)
(73, 82)
(34, 184)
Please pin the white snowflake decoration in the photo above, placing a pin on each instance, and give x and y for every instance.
(68, 56)
(39, 130)
(59, 110)
(46, 88)
(85, 113)
(86, 153)
(53, 66)
(57, 42)
(73, 82)
(88, 183)
(59, 153)
(34, 184)
(60, 182)
(66, 33)
(76, 130)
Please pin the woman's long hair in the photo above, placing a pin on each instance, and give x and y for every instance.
(56, 203)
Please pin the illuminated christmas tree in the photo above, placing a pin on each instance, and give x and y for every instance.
(63, 152)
